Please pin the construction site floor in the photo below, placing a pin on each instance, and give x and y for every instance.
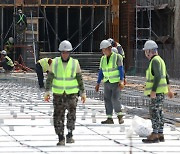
(26, 125)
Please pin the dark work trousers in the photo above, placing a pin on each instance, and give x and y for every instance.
(63, 102)
(7, 67)
(40, 75)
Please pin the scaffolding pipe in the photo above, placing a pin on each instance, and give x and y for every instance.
(105, 19)
(80, 28)
(87, 36)
(34, 47)
(92, 25)
(56, 29)
(47, 30)
(2, 27)
(67, 23)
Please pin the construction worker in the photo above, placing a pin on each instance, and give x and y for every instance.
(66, 81)
(157, 85)
(21, 25)
(6, 62)
(42, 66)
(118, 46)
(9, 47)
(112, 73)
(119, 50)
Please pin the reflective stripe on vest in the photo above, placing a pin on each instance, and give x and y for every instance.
(162, 87)
(10, 62)
(44, 64)
(110, 70)
(21, 18)
(64, 79)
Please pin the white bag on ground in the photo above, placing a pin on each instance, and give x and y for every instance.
(141, 127)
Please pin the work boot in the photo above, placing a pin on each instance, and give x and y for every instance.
(69, 139)
(61, 140)
(153, 138)
(108, 121)
(161, 137)
(61, 143)
(121, 121)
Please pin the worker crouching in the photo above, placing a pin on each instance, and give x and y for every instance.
(6, 62)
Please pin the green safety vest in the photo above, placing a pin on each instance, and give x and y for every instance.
(21, 18)
(10, 62)
(44, 64)
(64, 78)
(162, 87)
(110, 70)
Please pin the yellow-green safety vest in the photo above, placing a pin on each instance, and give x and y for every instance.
(110, 70)
(44, 64)
(10, 62)
(21, 18)
(64, 78)
(162, 87)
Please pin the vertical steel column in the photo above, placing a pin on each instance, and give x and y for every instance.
(80, 29)
(49, 45)
(56, 28)
(44, 30)
(105, 20)
(67, 23)
(150, 28)
(136, 50)
(92, 25)
(2, 27)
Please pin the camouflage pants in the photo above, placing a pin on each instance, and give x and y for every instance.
(156, 113)
(61, 104)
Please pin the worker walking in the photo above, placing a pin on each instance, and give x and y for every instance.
(6, 62)
(42, 66)
(112, 73)
(118, 46)
(115, 45)
(66, 81)
(20, 25)
(157, 85)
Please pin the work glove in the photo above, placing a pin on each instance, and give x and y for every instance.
(83, 97)
(170, 94)
(97, 87)
(121, 85)
(47, 96)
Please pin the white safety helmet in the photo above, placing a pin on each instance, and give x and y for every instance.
(111, 41)
(114, 49)
(150, 45)
(65, 46)
(105, 44)
(11, 40)
(3, 52)
(19, 11)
